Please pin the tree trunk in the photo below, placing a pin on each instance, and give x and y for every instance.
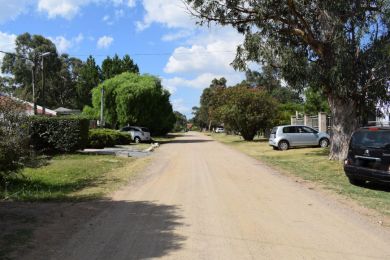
(248, 135)
(344, 123)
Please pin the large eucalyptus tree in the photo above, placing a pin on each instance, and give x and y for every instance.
(342, 47)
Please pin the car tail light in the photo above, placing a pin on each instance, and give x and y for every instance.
(373, 129)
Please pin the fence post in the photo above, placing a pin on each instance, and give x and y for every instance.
(322, 117)
(306, 120)
(292, 120)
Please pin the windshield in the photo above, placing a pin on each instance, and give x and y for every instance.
(373, 139)
(144, 129)
(274, 130)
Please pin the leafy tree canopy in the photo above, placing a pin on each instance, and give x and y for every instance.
(247, 110)
(132, 99)
(341, 47)
(115, 66)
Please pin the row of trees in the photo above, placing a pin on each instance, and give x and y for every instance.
(339, 48)
(258, 102)
(69, 80)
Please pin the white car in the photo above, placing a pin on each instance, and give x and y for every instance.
(286, 136)
(220, 130)
(138, 134)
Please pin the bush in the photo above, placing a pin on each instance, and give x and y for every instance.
(100, 138)
(14, 137)
(58, 134)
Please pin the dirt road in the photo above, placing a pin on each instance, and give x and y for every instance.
(203, 200)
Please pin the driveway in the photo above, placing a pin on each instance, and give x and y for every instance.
(200, 199)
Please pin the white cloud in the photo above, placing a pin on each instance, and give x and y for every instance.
(61, 8)
(7, 44)
(106, 18)
(104, 42)
(172, 14)
(131, 3)
(70, 8)
(201, 81)
(208, 52)
(79, 38)
(63, 44)
(178, 104)
(177, 35)
(10, 9)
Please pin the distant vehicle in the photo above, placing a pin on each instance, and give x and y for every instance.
(284, 137)
(138, 134)
(220, 130)
(369, 156)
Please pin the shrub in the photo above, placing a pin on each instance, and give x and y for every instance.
(100, 138)
(58, 134)
(14, 137)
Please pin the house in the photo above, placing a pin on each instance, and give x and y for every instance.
(29, 107)
(63, 111)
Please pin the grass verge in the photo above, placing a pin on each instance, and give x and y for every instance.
(71, 177)
(312, 164)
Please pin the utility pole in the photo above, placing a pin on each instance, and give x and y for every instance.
(43, 55)
(102, 108)
(33, 88)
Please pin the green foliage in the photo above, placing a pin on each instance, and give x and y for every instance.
(90, 113)
(181, 122)
(132, 99)
(210, 100)
(58, 134)
(89, 78)
(247, 110)
(341, 47)
(315, 102)
(69, 177)
(100, 138)
(285, 111)
(14, 137)
(115, 66)
(31, 47)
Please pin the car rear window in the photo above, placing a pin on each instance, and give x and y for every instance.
(373, 139)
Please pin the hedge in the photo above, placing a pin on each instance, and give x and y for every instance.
(100, 138)
(58, 134)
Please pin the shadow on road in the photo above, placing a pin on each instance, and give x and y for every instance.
(122, 229)
(189, 141)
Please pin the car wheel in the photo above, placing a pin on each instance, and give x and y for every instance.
(356, 182)
(283, 145)
(324, 143)
(137, 140)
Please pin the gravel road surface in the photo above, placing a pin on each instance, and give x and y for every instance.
(200, 199)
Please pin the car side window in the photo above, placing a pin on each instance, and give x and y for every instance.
(289, 130)
(308, 130)
(301, 130)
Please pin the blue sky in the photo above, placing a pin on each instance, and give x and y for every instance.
(158, 34)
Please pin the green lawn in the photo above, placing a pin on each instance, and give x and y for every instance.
(71, 177)
(312, 164)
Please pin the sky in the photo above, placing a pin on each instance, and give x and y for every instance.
(159, 35)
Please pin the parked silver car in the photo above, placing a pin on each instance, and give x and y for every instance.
(138, 134)
(284, 137)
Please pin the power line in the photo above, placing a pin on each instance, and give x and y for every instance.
(153, 54)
